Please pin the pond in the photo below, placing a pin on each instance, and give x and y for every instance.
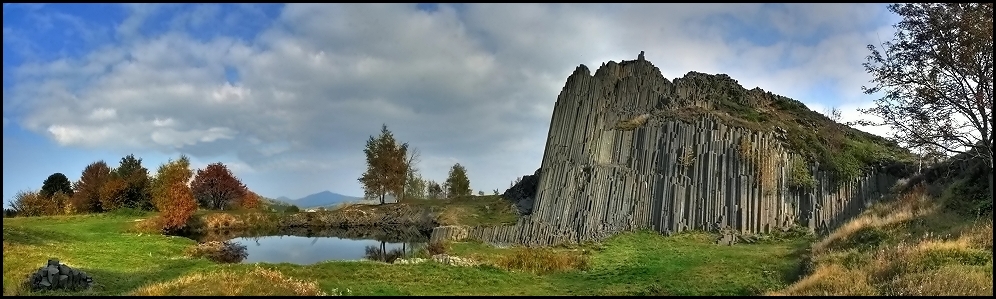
(305, 247)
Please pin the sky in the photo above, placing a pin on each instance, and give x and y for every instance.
(287, 95)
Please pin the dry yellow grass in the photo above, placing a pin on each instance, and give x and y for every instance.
(633, 123)
(831, 280)
(150, 225)
(950, 259)
(452, 216)
(258, 282)
(907, 206)
(543, 260)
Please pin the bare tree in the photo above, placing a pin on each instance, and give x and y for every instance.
(936, 78)
(413, 183)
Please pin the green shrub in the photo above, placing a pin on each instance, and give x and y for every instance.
(800, 177)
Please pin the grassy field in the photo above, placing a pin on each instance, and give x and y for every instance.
(123, 261)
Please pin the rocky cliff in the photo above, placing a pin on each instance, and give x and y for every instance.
(628, 149)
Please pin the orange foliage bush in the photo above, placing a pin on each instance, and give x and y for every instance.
(171, 195)
(178, 209)
(250, 201)
(31, 203)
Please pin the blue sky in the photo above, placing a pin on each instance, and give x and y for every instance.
(287, 94)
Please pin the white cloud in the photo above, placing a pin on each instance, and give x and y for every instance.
(474, 85)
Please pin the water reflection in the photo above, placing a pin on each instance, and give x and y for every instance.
(382, 254)
(311, 246)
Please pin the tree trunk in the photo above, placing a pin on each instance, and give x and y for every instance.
(382, 198)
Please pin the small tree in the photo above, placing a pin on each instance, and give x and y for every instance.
(171, 195)
(137, 181)
(434, 190)
(386, 166)
(55, 183)
(457, 183)
(86, 195)
(215, 187)
(415, 187)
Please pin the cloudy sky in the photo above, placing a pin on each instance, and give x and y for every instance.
(286, 95)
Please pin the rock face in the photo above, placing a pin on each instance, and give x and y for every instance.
(55, 276)
(619, 157)
(523, 193)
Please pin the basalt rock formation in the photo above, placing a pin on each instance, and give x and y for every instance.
(628, 149)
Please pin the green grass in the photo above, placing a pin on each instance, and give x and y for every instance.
(636, 263)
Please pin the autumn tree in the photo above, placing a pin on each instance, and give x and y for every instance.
(86, 195)
(215, 187)
(55, 183)
(457, 182)
(935, 77)
(171, 195)
(137, 183)
(386, 166)
(113, 194)
(251, 201)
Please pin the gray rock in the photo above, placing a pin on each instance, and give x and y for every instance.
(56, 276)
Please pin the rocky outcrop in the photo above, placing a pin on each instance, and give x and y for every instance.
(523, 193)
(621, 154)
(56, 276)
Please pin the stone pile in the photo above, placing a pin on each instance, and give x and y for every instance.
(440, 258)
(56, 276)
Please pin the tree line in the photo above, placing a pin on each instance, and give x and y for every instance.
(392, 169)
(175, 190)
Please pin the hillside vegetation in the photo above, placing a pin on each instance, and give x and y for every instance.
(934, 237)
(820, 137)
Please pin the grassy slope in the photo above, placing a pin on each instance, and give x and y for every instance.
(919, 243)
(124, 262)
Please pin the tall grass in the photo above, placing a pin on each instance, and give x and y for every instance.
(543, 260)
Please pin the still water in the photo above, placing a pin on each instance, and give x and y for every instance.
(304, 250)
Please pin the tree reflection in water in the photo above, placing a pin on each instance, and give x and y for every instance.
(380, 253)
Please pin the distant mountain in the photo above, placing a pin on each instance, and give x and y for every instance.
(320, 199)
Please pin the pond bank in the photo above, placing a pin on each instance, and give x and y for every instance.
(422, 216)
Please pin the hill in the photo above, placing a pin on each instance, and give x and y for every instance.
(320, 199)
